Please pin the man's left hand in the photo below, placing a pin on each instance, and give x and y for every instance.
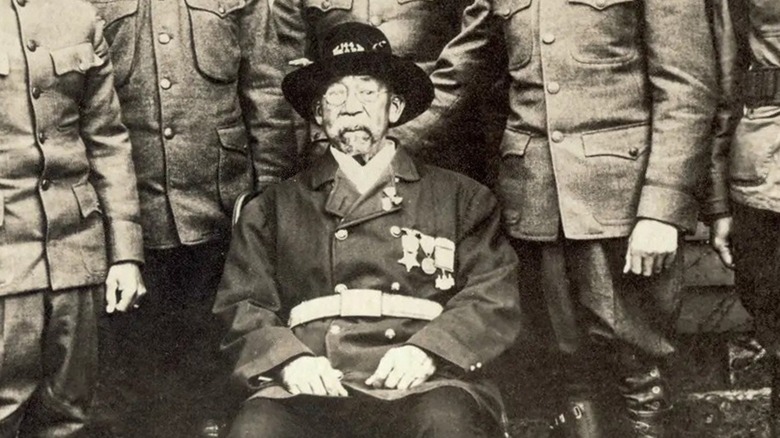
(402, 368)
(124, 287)
(652, 247)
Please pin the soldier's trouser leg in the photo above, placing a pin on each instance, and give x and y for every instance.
(756, 240)
(48, 361)
(592, 303)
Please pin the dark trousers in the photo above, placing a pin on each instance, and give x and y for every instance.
(756, 245)
(441, 413)
(48, 361)
(160, 363)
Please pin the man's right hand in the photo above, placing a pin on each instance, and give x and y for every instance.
(720, 240)
(313, 376)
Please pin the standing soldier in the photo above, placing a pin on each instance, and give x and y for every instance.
(611, 103)
(417, 30)
(68, 211)
(190, 86)
(744, 203)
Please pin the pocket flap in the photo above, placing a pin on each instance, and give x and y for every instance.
(234, 138)
(218, 7)
(628, 143)
(507, 8)
(409, 1)
(79, 58)
(86, 198)
(600, 4)
(514, 143)
(111, 11)
(325, 5)
(5, 64)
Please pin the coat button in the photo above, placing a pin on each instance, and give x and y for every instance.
(655, 373)
(45, 184)
(396, 286)
(479, 365)
(32, 45)
(165, 83)
(334, 329)
(390, 334)
(340, 288)
(221, 9)
(168, 133)
(342, 234)
(601, 3)
(656, 389)
(164, 38)
(326, 4)
(395, 230)
(557, 136)
(376, 21)
(634, 152)
(553, 87)
(548, 38)
(21, 2)
(42, 137)
(36, 92)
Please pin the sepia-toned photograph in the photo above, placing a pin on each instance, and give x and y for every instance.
(390, 219)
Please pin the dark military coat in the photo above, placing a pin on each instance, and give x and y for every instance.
(304, 237)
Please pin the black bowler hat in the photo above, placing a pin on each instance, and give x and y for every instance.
(358, 49)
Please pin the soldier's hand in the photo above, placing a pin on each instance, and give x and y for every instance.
(124, 287)
(402, 368)
(720, 240)
(313, 376)
(652, 247)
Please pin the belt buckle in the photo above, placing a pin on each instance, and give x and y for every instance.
(361, 302)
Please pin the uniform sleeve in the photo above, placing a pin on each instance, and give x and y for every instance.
(731, 64)
(681, 70)
(461, 76)
(271, 123)
(483, 318)
(109, 153)
(257, 339)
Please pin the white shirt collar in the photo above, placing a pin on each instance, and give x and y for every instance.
(364, 177)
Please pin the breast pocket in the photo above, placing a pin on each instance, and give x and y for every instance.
(215, 37)
(120, 32)
(608, 31)
(517, 21)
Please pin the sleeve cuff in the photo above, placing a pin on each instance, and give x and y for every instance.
(282, 345)
(445, 346)
(125, 242)
(668, 205)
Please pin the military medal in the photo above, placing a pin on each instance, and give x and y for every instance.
(428, 243)
(444, 260)
(410, 244)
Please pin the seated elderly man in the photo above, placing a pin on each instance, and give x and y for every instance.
(367, 295)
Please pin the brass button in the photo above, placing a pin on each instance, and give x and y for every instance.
(553, 87)
(376, 20)
(395, 230)
(472, 368)
(165, 83)
(45, 184)
(164, 38)
(634, 152)
(334, 329)
(221, 9)
(479, 365)
(326, 4)
(42, 137)
(396, 286)
(390, 334)
(654, 373)
(32, 45)
(342, 234)
(548, 38)
(340, 288)
(656, 389)
(36, 92)
(557, 136)
(168, 133)
(601, 3)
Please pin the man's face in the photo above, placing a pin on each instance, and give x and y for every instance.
(355, 112)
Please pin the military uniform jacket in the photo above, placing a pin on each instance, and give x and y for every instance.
(611, 105)
(68, 204)
(305, 237)
(747, 145)
(190, 81)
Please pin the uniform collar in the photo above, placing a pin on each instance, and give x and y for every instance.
(324, 169)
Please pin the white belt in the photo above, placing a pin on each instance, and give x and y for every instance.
(366, 303)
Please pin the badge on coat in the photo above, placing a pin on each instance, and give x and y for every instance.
(438, 256)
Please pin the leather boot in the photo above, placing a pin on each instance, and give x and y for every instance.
(646, 400)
